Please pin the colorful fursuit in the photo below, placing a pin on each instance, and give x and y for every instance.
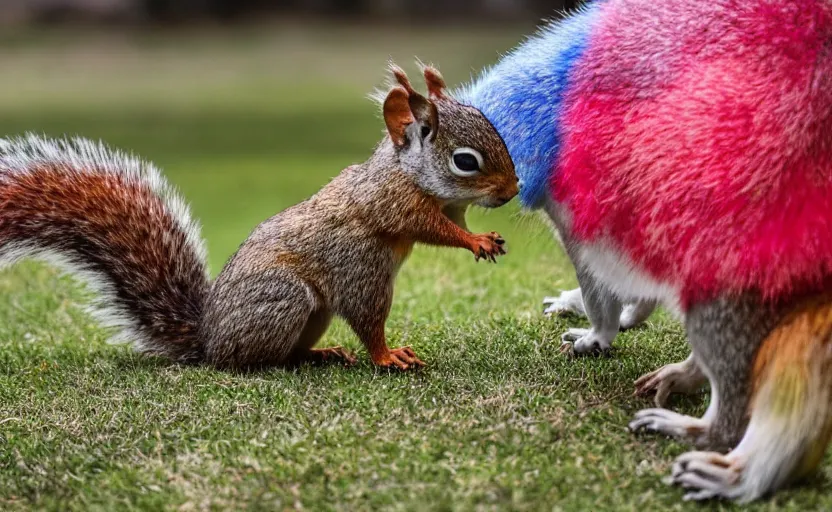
(693, 137)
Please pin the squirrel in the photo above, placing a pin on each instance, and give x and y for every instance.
(682, 151)
(112, 220)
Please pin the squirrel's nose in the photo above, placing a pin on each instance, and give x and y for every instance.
(519, 183)
(508, 194)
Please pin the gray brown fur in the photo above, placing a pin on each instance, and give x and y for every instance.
(336, 253)
(725, 335)
(113, 221)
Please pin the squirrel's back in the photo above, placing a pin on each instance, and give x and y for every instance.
(112, 220)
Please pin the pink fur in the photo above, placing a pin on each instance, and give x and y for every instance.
(698, 140)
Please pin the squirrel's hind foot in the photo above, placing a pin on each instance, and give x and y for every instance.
(402, 358)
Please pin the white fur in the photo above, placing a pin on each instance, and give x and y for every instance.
(761, 463)
(770, 453)
(21, 155)
(587, 341)
(569, 301)
(670, 424)
(625, 279)
(611, 267)
(104, 309)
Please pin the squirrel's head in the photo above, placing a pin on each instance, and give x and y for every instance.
(451, 150)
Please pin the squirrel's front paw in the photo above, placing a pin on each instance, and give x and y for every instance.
(401, 358)
(488, 246)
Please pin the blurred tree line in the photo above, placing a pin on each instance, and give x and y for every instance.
(173, 11)
(229, 9)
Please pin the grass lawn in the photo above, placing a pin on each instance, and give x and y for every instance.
(247, 124)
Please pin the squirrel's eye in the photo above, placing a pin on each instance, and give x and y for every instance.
(466, 162)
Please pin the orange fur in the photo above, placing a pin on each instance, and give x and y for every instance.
(118, 227)
(401, 78)
(397, 114)
(792, 380)
(113, 221)
(402, 249)
(436, 84)
(795, 343)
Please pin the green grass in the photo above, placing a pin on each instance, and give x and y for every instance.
(498, 419)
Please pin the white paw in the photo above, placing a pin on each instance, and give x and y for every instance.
(671, 424)
(684, 377)
(708, 475)
(568, 302)
(585, 341)
(635, 313)
(629, 318)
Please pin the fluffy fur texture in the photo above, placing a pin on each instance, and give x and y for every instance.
(108, 218)
(696, 138)
(522, 97)
(680, 132)
(791, 420)
(114, 221)
(689, 160)
(338, 252)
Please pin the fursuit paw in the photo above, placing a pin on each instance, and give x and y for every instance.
(399, 359)
(709, 475)
(584, 342)
(635, 313)
(684, 377)
(672, 424)
(568, 303)
(488, 246)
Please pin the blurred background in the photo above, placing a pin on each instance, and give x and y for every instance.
(188, 11)
(248, 106)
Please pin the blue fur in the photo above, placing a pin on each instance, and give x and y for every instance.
(522, 94)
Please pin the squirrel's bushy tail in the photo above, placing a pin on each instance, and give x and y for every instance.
(113, 221)
(790, 413)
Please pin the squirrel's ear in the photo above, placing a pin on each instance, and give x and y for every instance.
(425, 112)
(436, 84)
(397, 115)
(401, 78)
